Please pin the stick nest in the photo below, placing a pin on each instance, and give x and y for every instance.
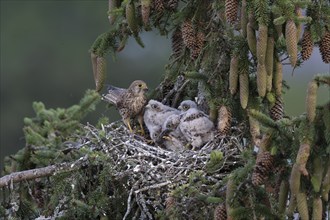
(155, 174)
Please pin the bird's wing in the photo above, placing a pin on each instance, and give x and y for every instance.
(114, 94)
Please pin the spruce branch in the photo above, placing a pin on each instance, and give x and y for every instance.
(40, 172)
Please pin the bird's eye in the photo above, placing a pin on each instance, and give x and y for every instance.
(186, 107)
(153, 106)
(140, 85)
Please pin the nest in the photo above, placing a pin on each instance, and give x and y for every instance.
(153, 172)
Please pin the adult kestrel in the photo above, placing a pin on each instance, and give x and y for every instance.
(129, 102)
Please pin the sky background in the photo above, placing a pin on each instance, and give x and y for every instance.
(44, 57)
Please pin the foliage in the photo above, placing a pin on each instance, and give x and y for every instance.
(292, 160)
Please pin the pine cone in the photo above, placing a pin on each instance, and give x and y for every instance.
(306, 45)
(311, 100)
(317, 208)
(159, 6)
(231, 10)
(299, 14)
(278, 77)
(224, 120)
(233, 75)
(244, 18)
(145, 11)
(188, 34)
(254, 130)
(302, 205)
(220, 212)
(261, 79)
(200, 39)
(262, 43)
(291, 41)
(251, 39)
(170, 204)
(325, 47)
(277, 111)
(111, 6)
(172, 4)
(177, 43)
(269, 62)
(100, 73)
(264, 164)
(244, 89)
(131, 18)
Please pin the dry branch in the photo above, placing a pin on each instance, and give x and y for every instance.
(38, 172)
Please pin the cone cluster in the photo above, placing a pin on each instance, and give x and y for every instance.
(220, 212)
(231, 10)
(306, 45)
(224, 120)
(277, 111)
(177, 43)
(264, 164)
(325, 47)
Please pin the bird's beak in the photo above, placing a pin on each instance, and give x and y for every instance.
(145, 89)
(167, 138)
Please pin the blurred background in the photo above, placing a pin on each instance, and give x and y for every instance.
(44, 57)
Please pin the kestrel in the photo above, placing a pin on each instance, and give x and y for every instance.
(129, 102)
(156, 113)
(171, 136)
(187, 104)
(196, 127)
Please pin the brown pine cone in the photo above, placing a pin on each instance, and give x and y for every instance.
(231, 9)
(200, 39)
(220, 212)
(277, 111)
(306, 45)
(224, 120)
(177, 43)
(159, 6)
(264, 164)
(188, 34)
(325, 47)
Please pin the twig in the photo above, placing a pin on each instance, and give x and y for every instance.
(129, 200)
(159, 185)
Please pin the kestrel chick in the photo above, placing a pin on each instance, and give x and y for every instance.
(171, 136)
(196, 127)
(129, 102)
(187, 104)
(156, 113)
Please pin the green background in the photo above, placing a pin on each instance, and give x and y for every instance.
(44, 57)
